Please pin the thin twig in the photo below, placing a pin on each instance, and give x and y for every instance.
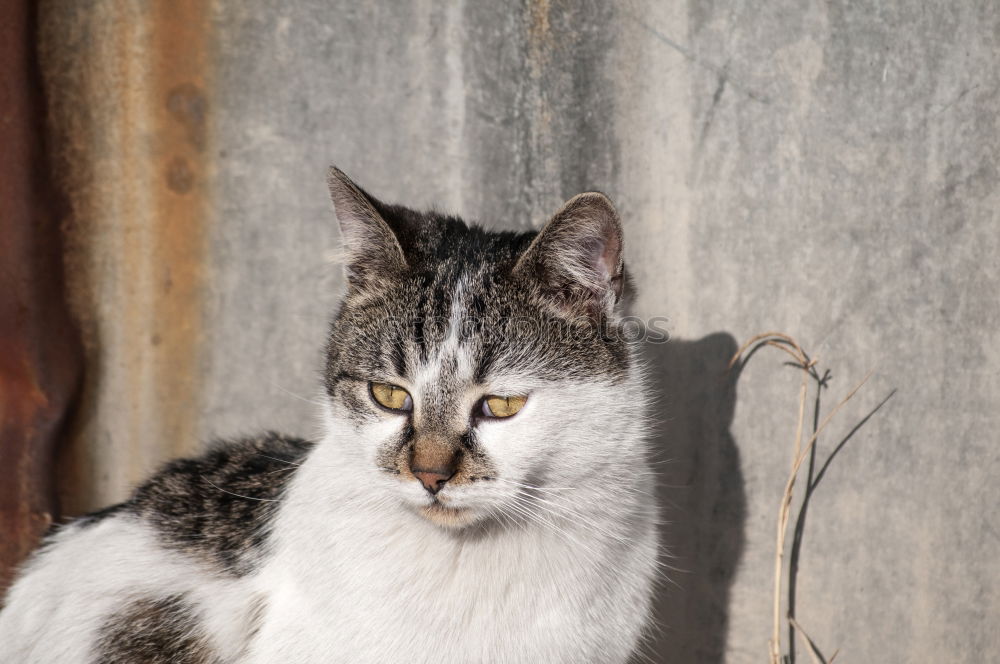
(783, 517)
(766, 335)
(786, 501)
(799, 454)
(800, 357)
(817, 658)
(826, 420)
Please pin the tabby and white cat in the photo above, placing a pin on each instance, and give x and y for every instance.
(482, 493)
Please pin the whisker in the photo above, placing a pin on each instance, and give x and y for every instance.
(531, 486)
(290, 463)
(239, 495)
(298, 396)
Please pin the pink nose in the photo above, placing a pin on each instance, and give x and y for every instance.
(433, 480)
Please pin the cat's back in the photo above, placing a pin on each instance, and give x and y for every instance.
(170, 563)
(218, 507)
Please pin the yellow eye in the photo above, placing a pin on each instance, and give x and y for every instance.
(494, 406)
(392, 397)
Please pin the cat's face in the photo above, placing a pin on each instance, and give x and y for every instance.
(471, 373)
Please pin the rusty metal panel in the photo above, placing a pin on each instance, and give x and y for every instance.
(129, 85)
(39, 348)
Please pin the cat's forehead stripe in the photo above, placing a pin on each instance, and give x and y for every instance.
(459, 296)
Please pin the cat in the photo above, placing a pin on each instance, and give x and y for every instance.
(481, 493)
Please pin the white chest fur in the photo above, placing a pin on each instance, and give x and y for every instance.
(383, 585)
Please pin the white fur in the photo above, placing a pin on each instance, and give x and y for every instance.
(358, 575)
(56, 609)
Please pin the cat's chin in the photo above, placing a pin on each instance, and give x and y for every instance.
(448, 517)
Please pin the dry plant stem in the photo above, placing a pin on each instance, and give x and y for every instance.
(813, 652)
(766, 335)
(826, 420)
(782, 342)
(786, 502)
(800, 357)
(783, 519)
(800, 453)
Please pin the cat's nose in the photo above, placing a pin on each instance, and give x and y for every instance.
(433, 460)
(433, 479)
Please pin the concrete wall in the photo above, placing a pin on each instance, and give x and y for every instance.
(826, 169)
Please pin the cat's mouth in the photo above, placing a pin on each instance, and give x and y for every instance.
(443, 515)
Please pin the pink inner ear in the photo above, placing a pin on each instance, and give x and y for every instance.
(606, 261)
(579, 253)
(603, 265)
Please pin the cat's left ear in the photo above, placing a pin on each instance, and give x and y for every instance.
(372, 250)
(577, 258)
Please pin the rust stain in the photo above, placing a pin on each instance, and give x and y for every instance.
(180, 177)
(539, 26)
(129, 121)
(539, 36)
(541, 43)
(130, 93)
(188, 106)
(39, 349)
(180, 81)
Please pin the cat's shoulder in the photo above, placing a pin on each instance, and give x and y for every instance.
(229, 475)
(217, 506)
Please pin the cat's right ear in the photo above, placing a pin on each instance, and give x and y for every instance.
(371, 249)
(577, 258)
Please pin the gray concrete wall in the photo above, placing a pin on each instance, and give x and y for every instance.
(826, 169)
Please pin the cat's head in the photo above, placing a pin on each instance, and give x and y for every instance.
(468, 371)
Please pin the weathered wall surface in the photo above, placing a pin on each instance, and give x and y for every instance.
(128, 91)
(39, 348)
(828, 169)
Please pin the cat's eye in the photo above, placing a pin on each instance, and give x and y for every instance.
(390, 396)
(494, 406)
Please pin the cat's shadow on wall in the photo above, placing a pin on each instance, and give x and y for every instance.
(701, 495)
